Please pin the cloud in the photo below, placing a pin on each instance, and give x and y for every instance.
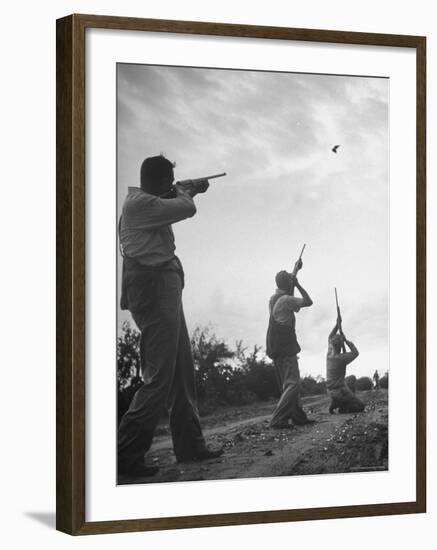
(272, 133)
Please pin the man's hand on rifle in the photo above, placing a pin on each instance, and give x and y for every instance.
(194, 188)
(352, 347)
(298, 265)
(306, 300)
(201, 187)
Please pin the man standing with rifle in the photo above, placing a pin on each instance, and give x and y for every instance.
(282, 346)
(152, 286)
(342, 398)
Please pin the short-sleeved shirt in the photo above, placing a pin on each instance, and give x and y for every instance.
(145, 226)
(285, 307)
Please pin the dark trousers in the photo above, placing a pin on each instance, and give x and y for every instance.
(345, 401)
(168, 371)
(289, 405)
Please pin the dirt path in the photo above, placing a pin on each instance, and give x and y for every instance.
(336, 443)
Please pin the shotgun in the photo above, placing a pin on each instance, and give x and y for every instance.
(296, 267)
(343, 347)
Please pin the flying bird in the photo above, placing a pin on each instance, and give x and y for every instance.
(334, 149)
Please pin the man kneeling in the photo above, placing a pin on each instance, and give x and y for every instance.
(337, 359)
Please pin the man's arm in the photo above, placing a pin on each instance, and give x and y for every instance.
(155, 212)
(333, 331)
(193, 189)
(353, 353)
(306, 300)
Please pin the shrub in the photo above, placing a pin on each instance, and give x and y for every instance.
(313, 386)
(364, 383)
(383, 382)
(125, 395)
(128, 368)
(223, 375)
(261, 380)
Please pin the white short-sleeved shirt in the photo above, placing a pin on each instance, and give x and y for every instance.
(285, 307)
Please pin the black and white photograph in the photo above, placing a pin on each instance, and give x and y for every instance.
(252, 274)
(228, 243)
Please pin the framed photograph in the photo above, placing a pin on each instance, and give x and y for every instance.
(241, 284)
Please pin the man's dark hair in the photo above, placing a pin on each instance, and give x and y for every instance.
(283, 280)
(153, 169)
(337, 341)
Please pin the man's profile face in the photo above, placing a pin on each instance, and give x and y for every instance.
(289, 286)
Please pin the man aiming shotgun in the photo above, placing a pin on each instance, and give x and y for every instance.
(152, 284)
(342, 398)
(282, 346)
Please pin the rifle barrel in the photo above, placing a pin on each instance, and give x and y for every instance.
(196, 180)
(295, 270)
(343, 347)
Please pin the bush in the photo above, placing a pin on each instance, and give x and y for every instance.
(364, 383)
(383, 382)
(351, 382)
(125, 395)
(260, 376)
(313, 386)
(224, 376)
(128, 356)
(128, 368)
(261, 381)
(217, 381)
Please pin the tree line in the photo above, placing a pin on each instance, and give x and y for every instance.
(224, 375)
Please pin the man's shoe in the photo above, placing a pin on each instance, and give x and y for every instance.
(334, 405)
(204, 454)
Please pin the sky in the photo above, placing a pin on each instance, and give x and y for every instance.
(272, 133)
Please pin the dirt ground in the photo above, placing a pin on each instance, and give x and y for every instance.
(336, 443)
